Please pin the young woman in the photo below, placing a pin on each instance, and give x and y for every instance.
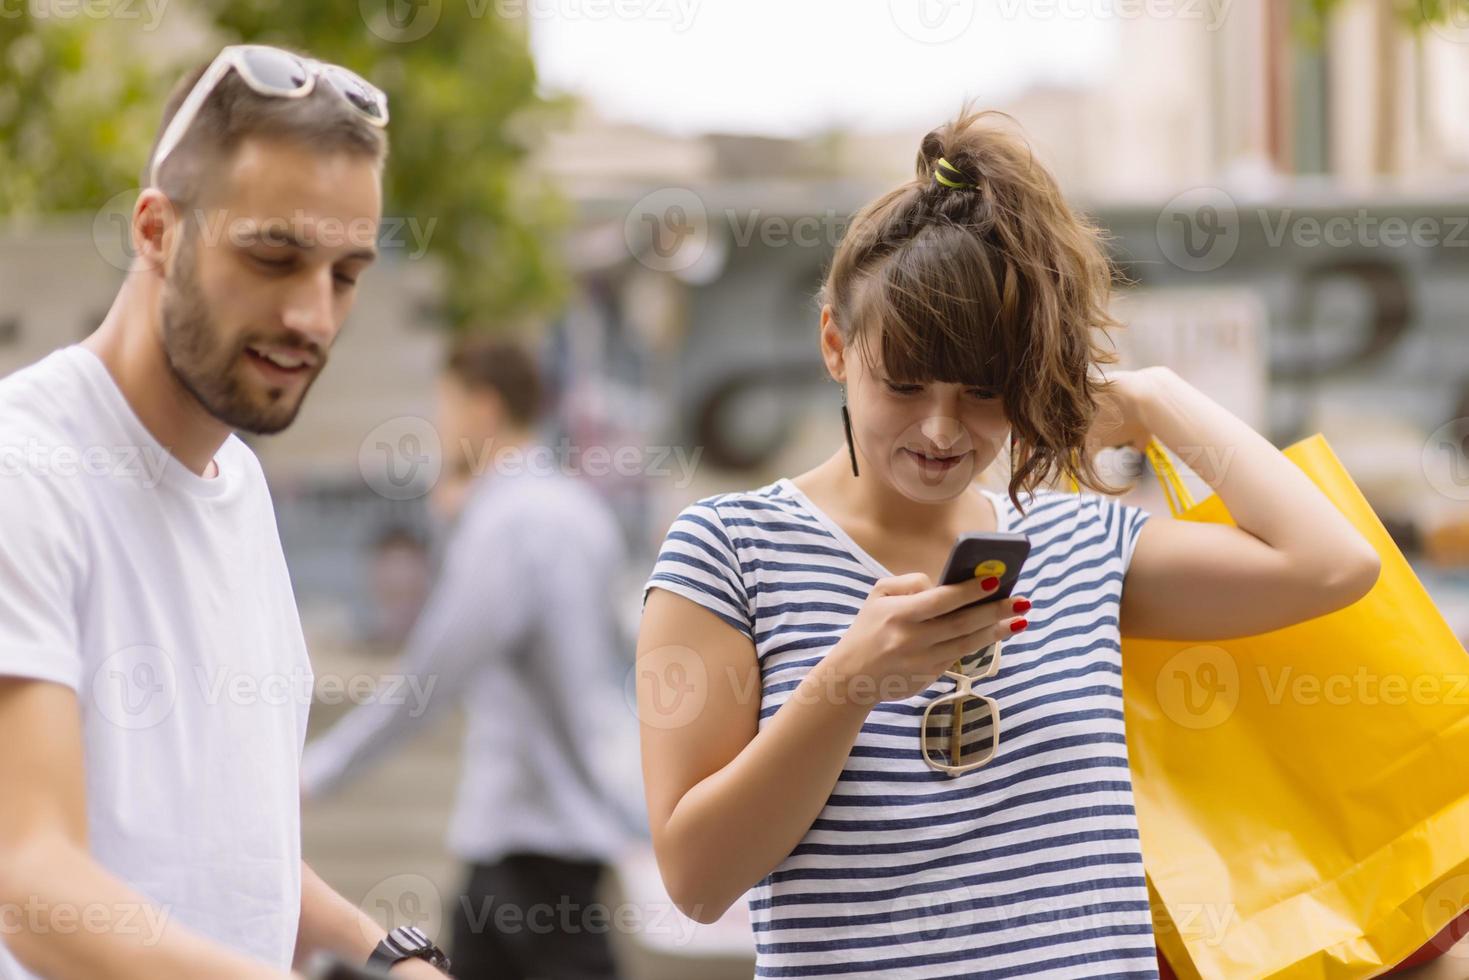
(793, 635)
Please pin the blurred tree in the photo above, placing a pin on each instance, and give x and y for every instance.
(78, 108)
(80, 100)
(1311, 16)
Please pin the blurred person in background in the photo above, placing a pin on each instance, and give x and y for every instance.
(521, 629)
(138, 798)
(964, 315)
(398, 576)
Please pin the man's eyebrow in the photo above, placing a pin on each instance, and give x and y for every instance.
(277, 236)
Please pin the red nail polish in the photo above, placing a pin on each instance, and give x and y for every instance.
(989, 583)
(1022, 605)
(1018, 625)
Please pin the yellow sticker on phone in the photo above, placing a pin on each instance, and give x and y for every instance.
(993, 567)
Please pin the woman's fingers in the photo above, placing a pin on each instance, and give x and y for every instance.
(944, 599)
(962, 622)
(959, 647)
(911, 584)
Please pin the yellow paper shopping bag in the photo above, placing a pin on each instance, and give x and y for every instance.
(1301, 794)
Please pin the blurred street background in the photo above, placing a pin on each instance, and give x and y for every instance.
(645, 192)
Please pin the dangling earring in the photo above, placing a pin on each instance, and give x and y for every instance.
(847, 427)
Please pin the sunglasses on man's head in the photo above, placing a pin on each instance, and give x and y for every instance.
(276, 73)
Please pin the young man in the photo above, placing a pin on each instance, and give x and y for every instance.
(521, 629)
(150, 826)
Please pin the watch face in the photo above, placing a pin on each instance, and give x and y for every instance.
(409, 939)
(408, 942)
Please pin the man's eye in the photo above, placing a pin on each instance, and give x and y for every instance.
(272, 264)
(345, 281)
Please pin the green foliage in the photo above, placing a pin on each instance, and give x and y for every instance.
(78, 108)
(1310, 17)
(80, 101)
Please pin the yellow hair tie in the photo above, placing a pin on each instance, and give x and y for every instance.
(942, 178)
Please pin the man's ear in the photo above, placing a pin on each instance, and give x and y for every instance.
(491, 408)
(156, 230)
(833, 348)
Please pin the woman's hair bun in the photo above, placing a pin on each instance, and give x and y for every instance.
(946, 157)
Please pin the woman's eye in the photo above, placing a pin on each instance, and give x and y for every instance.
(903, 389)
(985, 394)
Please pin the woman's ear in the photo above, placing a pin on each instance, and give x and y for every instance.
(833, 347)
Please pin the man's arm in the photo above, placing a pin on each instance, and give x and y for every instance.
(62, 915)
(331, 923)
(479, 607)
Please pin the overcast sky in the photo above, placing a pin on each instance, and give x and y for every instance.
(790, 67)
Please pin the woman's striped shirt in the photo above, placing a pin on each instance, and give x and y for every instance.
(1029, 866)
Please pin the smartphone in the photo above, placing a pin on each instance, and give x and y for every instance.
(980, 554)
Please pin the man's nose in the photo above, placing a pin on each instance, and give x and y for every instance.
(310, 309)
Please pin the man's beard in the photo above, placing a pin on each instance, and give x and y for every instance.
(208, 366)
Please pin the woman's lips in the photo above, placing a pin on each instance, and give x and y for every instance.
(935, 465)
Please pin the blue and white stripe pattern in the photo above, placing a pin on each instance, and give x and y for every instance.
(1029, 866)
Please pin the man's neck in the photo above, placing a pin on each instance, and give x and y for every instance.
(128, 344)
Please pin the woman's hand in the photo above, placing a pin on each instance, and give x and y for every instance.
(910, 631)
(1121, 411)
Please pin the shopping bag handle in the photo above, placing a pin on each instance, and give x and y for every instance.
(1180, 499)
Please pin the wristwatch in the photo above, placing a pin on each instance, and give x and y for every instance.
(407, 943)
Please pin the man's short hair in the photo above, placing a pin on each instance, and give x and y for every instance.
(233, 112)
(501, 366)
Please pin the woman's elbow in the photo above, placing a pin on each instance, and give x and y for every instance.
(1353, 577)
(702, 912)
(694, 899)
(689, 889)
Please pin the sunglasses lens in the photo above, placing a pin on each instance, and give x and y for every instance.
(975, 743)
(366, 97)
(280, 71)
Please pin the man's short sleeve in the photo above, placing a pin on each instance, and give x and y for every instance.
(699, 561)
(40, 571)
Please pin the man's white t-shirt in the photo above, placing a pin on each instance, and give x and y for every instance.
(162, 598)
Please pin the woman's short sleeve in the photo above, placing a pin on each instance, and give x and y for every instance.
(698, 560)
(1123, 524)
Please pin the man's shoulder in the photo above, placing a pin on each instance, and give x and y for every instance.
(37, 401)
(242, 454)
(542, 506)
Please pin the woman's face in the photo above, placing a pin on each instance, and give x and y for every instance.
(928, 441)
